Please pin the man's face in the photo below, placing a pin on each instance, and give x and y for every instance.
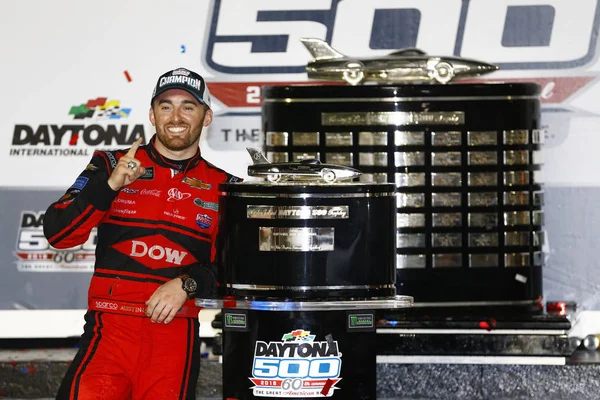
(179, 119)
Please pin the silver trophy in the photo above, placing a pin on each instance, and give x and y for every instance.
(306, 170)
(409, 65)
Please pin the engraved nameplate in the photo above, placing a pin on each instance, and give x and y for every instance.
(516, 198)
(295, 239)
(410, 179)
(446, 199)
(410, 261)
(277, 138)
(408, 138)
(516, 238)
(372, 138)
(482, 138)
(446, 239)
(445, 159)
(338, 139)
(482, 158)
(482, 178)
(446, 179)
(407, 159)
(378, 159)
(404, 240)
(297, 212)
(483, 239)
(483, 199)
(393, 118)
(306, 138)
(339, 158)
(446, 260)
(516, 157)
(277, 156)
(520, 136)
(410, 200)
(306, 156)
(483, 260)
(452, 138)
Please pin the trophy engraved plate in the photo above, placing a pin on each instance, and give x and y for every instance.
(516, 198)
(483, 199)
(452, 138)
(446, 219)
(305, 138)
(538, 238)
(277, 138)
(410, 220)
(410, 200)
(340, 159)
(483, 239)
(409, 138)
(483, 220)
(446, 199)
(537, 217)
(538, 177)
(278, 156)
(516, 157)
(516, 238)
(378, 118)
(446, 179)
(338, 139)
(537, 157)
(379, 159)
(537, 258)
(380, 177)
(482, 138)
(446, 260)
(408, 159)
(404, 240)
(306, 156)
(372, 138)
(296, 212)
(516, 218)
(446, 239)
(295, 239)
(410, 261)
(516, 260)
(482, 158)
(410, 179)
(482, 178)
(516, 178)
(483, 260)
(445, 159)
(537, 136)
(520, 136)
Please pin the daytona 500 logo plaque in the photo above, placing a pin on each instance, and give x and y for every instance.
(297, 366)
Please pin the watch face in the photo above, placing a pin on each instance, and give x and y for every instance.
(190, 285)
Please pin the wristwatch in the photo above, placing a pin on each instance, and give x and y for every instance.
(189, 285)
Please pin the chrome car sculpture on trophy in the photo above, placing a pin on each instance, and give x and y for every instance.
(305, 170)
(410, 65)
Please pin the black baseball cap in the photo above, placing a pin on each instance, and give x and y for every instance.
(183, 78)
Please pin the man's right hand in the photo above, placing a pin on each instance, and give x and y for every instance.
(122, 175)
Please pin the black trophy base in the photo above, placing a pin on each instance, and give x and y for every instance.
(474, 331)
(299, 354)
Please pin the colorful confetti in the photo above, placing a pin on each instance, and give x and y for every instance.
(183, 48)
(127, 76)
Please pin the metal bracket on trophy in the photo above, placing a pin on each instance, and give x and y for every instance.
(410, 65)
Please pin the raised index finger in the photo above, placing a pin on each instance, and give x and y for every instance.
(133, 149)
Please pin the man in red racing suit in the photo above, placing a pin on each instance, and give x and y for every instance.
(156, 209)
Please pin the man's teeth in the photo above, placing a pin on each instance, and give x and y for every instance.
(176, 129)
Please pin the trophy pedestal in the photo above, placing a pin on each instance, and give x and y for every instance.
(300, 349)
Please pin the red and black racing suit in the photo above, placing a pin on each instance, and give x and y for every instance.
(161, 226)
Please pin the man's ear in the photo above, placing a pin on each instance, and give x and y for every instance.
(208, 117)
(152, 119)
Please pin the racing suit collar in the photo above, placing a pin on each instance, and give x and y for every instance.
(164, 162)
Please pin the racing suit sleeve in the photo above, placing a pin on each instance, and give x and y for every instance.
(69, 221)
